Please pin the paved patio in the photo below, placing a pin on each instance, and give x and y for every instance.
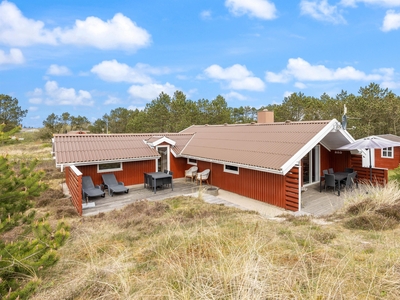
(321, 203)
(313, 202)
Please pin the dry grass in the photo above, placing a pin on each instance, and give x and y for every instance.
(374, 208)
(186, 249)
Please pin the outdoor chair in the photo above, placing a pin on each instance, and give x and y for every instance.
(331, 182)
(324, 172)
(349, 181)
(348, 170)
(330, 170)
(203, 176)
(167, 182)
(191, 173)
(113, 186)
(89, 189)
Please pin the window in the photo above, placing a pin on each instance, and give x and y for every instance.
(192, 161)
(387, 152)
(231, 169)
(109, 167)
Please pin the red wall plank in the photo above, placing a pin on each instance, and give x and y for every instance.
(389, 163)
(262, 186)
(132, 172)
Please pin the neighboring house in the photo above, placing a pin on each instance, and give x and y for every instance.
(270, 162)
(387, 157)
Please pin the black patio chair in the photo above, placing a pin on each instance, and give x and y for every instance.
(113, 186)
(349, 181)
(89, 189)
(348, 170)
(168, 181)
(324, 172)
(331, 182)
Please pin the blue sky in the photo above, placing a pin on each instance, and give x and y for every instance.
(89, 57)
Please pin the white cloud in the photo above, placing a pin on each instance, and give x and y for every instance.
(282, 77)
(33, 108)
(205, 15)
(391, 21)
(237, 77)
(151, 91)
(16, 30)
(112, 100)
(287, 94)
(390, 84)
(15, 57)
(119, 32)
(262, 9)
(58, 70)
(35, 100)
(235, 95)
(35, 118)
(384, 3)
(113, 71)
(322, 11)
(299, 69)
(55, 95)
(300, 85)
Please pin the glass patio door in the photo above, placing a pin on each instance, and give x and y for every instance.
(163, 161)
(311, 166)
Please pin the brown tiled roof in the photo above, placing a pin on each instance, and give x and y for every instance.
(86, 148)
(261, 146)
(390, 137)
(267, 146)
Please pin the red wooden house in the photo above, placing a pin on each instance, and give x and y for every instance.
(266, 161)
(387, 157)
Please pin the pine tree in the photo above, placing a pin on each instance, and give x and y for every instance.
(22, 260)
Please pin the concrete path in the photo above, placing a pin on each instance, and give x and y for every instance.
(233, 200)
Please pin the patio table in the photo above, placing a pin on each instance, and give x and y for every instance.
(155, 179)
(339, 176)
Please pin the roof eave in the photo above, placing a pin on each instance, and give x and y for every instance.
(250, 167)
(88, 163)
(331, 126)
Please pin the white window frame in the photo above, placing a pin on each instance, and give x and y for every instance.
(167, 155)
(192, 163)
(231, 171)
(109, 170)
(385, 152)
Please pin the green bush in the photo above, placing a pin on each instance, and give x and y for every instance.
(22, 259)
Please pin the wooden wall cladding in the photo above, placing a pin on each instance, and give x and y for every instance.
(132, 172)
(262, 186)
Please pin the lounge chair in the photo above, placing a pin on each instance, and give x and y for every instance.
(203, 176)
(89, 189)
(191, 173)
(113, 186)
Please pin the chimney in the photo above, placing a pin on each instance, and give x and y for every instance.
(265, 116)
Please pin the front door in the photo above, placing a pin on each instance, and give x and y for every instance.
(163, 161)
(311, 166)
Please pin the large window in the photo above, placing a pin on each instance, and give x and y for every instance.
(231, 169)
(192, 161)
(387, 152)
(110, 167)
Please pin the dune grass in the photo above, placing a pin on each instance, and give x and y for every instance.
(184, 248)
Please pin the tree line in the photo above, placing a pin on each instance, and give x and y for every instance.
(374, 110)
